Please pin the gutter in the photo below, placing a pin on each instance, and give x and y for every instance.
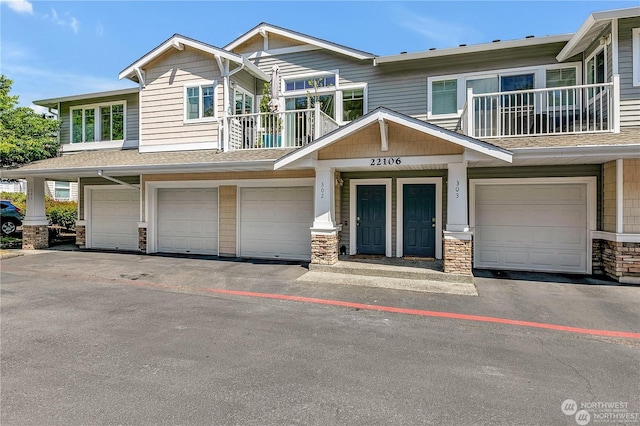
(118, 181)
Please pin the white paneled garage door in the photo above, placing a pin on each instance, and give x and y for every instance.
(276, 222)
(188, 220)
(533, 227)
(114, 218)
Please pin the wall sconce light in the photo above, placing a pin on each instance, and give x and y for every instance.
(339, 182)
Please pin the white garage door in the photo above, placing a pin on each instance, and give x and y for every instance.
(531, 227)
(114, 218)
(188, 220)
(276, 222)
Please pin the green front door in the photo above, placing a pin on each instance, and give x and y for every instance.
(371, 219)
(419, 216)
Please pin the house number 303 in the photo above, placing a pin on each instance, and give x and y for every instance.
(322, 190)
(391, 161)
(457, 189)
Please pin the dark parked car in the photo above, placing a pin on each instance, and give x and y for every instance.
(11, 217)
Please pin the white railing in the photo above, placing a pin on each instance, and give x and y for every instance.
(588, 108)
(288, 129)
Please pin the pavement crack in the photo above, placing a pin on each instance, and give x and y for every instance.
(582, 376)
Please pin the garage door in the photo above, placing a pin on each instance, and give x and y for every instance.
(276, 222)
(531, 227)
(188, 220)
(114, 218)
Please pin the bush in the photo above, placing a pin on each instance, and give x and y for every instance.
(62, 213)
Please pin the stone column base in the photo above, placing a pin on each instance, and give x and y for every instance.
(620, 260)
(458, 253)
(35, 237)
(324, 247)
(81, 236)
(142, 239)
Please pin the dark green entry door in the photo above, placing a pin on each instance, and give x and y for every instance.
(419, 220)
(371, 219)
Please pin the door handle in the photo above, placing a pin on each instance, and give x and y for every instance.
(358, 221)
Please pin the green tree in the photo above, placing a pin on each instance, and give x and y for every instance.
(25, 135)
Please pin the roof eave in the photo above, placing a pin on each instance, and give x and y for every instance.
(53, 102)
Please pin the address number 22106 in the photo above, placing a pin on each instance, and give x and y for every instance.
(391, 161)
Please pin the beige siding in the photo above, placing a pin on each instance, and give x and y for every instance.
(254, 44)
(132, 111)
(609, 197)
(629, 95)
(402, 142)
(631, 191)
(50, 190)
(163, 98)
(228, 220)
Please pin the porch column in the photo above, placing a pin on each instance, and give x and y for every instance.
(35, 231)
(324, 234)
(457, 237)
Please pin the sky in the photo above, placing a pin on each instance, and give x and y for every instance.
(60, 48)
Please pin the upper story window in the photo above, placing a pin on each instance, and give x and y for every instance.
(636, 56)
(199, 101)
(342, 102)
(596, 68)
(101, 122)
(243, 101)
(448, 94)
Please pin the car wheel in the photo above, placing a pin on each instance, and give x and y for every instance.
(8, 228)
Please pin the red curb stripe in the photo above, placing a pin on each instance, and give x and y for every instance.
(419, 312)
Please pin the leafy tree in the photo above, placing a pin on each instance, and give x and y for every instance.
(25, 135)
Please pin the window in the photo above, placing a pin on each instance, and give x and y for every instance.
(352, 104)
(199, 102)
(310, 83)
(93, 123)
(444, 95)
(636, 56)
(243, 102)
(561, 77)
(62, 190)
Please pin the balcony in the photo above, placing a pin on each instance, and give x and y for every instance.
(288, 129)
(590, 108)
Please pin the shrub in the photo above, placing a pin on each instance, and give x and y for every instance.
(62, 213)
(17, 198)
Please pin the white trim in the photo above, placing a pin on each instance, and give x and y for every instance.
(87, 146)
(614, 47)
(569, 49)
(407, 162)
(340, 99)
(619, 196)
(237, 86)
(400, 182)
(636, 56)
(615, 237)
(97, 130)
(421, 126)
(200, 84)
(306, 76)
(178, 147)
(353, 232)
(51, 101)
(596, 52)
(592, 213)
(540, 82)
(282, 51)
(88, 217)
(484, 47)
(299, 37)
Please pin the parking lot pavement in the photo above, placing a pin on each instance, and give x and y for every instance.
(105, 338)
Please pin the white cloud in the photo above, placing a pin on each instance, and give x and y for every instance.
(64, 21)
(20, 6)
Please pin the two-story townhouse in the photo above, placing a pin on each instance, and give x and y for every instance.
(521, 154)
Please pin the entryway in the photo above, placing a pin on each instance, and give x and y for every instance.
(371, 219)
(419, 213)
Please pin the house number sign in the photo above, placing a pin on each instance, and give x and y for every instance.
(389, 161)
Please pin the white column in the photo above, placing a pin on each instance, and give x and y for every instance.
(35, 214)
(323, 205)
(457, 208)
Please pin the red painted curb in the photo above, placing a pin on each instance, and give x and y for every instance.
(419, 312)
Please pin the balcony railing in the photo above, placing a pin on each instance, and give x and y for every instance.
(288, 129)
(589, 108)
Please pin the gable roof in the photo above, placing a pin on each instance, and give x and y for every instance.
(53, 102)
(386, 114)
(264, 27)
(178, 41)
(590, 29)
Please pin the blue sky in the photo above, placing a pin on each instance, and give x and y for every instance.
(60, 48)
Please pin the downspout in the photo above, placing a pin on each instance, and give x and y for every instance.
(118, 181)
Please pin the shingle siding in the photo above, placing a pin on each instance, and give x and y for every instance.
(629, 95)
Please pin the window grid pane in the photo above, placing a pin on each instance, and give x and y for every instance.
(207, 101)
(193, 110)
(105, 123)
(444, 96)
(76, 126)
(89, 125)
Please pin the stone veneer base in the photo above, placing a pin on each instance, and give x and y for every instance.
(458, 256)
(142, 239)
(620, 261)
(35, 237)
(81, 236)
(324, 248)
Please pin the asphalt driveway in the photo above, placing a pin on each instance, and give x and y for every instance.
(104, 338)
